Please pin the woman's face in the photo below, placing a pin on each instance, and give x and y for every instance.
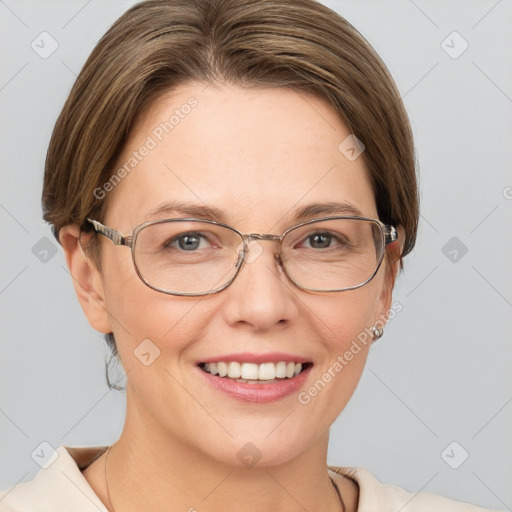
(258, 155)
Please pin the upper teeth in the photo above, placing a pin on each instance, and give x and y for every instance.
(252, 371)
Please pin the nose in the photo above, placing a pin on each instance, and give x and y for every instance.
(261, 296)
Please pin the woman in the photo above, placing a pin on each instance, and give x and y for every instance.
(191, 126)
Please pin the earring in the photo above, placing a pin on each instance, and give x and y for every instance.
(377, 332)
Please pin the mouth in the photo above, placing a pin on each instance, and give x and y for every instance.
(253, 373)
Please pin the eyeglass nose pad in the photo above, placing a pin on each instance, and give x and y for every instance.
(242, 251)
(280, 263)
(250, 249)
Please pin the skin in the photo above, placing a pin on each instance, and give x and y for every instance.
(258, 153)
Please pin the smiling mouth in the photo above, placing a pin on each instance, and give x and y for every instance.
(253, 373)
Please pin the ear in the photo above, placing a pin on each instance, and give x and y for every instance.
(392, 262)
(87, 279)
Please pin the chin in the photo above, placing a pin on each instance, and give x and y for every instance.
(257, 450)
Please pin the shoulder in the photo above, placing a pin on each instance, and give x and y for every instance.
(374, 495)
(58, 485)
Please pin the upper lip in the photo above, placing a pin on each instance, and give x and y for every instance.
(248, 357)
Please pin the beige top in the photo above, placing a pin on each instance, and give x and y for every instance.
(61, 487)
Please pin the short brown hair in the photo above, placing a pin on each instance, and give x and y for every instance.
(160, 44)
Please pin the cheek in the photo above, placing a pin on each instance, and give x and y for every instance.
(343, 317)
(140, 313)
(343, 323)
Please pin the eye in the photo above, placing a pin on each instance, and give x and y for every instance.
(188, 242)
(324, 240)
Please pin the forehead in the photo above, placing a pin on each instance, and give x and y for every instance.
(255, 153)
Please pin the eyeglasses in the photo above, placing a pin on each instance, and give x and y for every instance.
(191, 257)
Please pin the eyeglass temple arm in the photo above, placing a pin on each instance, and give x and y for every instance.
(116, 237)
(391, 234)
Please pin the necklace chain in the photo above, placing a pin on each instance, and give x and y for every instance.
(342, 503)
(106, 481)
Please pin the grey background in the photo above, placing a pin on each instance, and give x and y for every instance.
(442, 371)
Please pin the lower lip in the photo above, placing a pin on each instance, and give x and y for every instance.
(262, 393)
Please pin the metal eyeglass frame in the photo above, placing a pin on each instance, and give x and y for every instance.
(389, 234)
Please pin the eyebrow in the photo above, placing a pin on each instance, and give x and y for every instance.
(205, 212)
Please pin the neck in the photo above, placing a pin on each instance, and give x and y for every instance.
(148, 470)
